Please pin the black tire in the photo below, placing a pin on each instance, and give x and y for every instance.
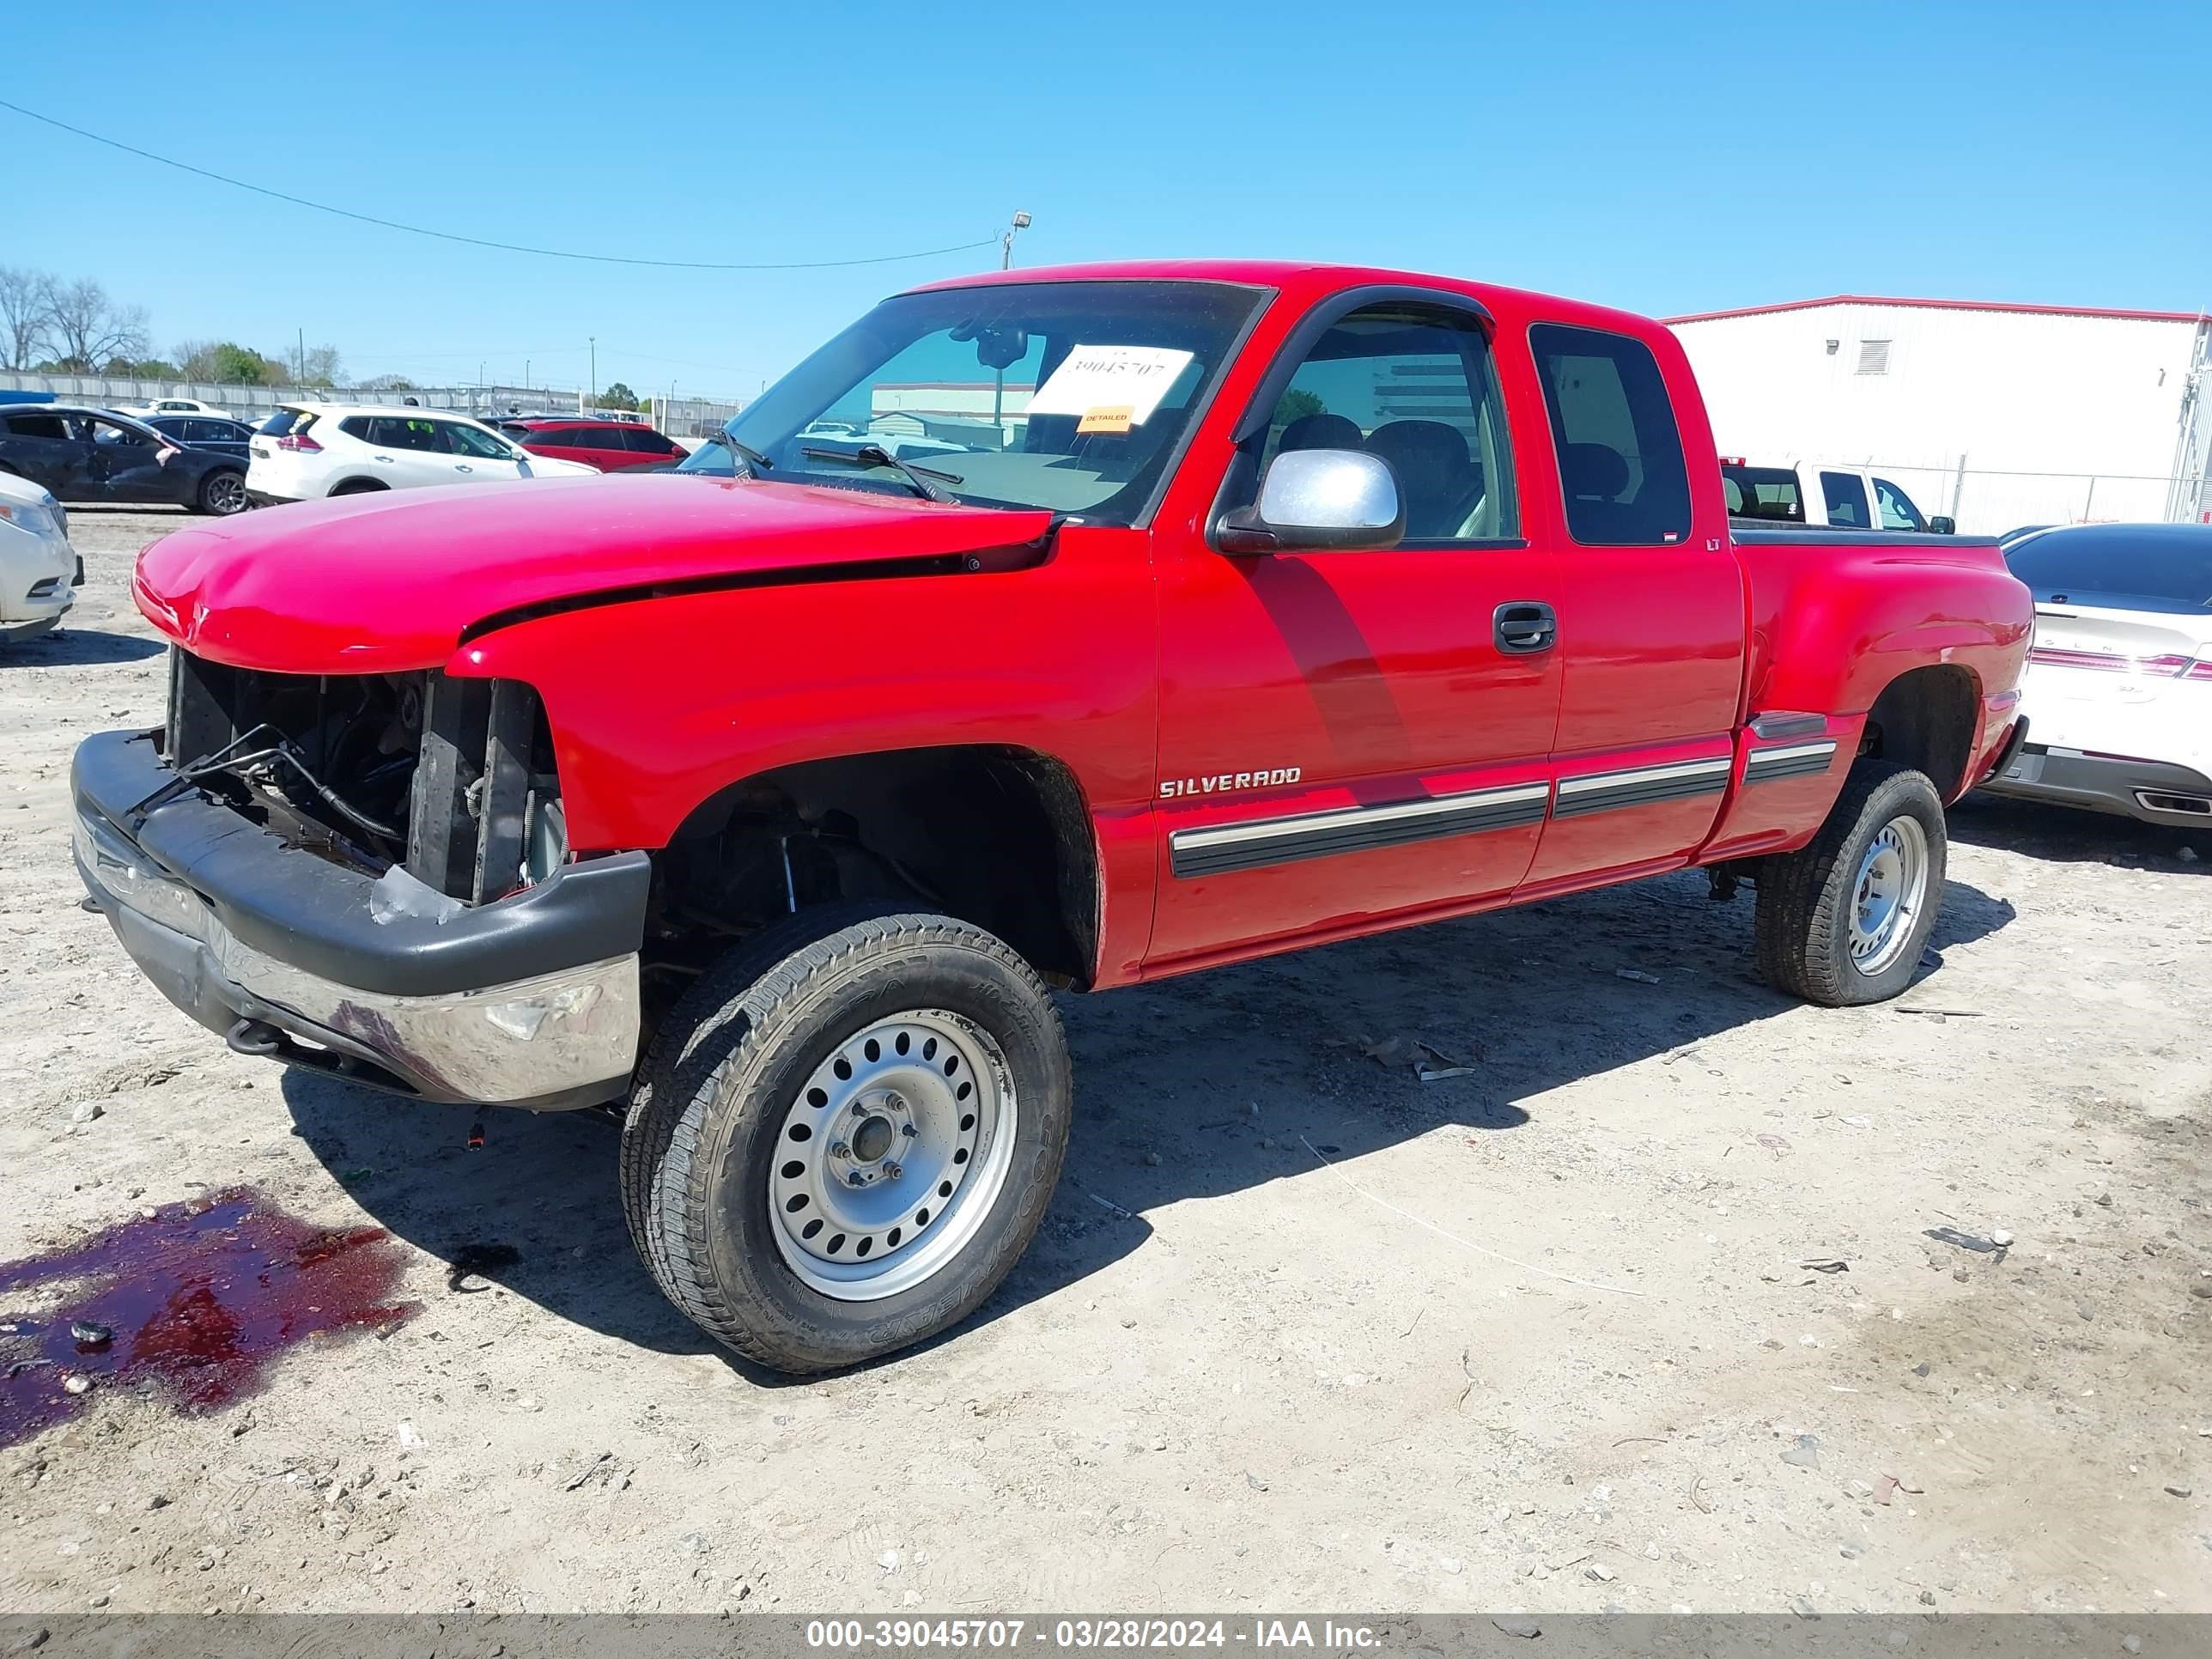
(221, 493)
(702, 1135)
(1806, 898)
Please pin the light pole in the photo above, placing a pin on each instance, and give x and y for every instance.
(1006, 241)
(1021, 222)
(594, 396)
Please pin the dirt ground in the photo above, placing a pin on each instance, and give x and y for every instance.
(1536, 1337)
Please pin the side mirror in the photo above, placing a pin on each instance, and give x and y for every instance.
(1942, 526)
(1318, 499)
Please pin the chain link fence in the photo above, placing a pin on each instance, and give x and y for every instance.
(1987, 501)
(685, 419)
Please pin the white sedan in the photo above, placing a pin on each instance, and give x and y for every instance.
(173, 406)
(2118, 688)
(307, 451)
(39, 569)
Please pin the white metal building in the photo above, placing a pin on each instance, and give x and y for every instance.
(1997, 414)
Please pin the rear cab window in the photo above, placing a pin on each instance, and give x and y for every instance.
(1770, 493)
(1621, 470)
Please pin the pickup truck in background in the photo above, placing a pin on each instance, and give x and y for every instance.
(1232, 607)
(1817, 493)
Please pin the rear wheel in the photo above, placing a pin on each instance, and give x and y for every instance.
(1844, 921)
(222, 494)
(845, 1135)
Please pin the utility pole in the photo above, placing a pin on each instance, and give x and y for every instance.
(595, 369)
(303, 371)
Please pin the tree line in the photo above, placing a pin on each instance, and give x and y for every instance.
(58, 326)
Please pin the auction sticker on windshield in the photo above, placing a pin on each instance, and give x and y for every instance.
(1112, 383)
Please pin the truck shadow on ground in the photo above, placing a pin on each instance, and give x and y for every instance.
(1188, 1089)
(78, 648)
(2065, 835)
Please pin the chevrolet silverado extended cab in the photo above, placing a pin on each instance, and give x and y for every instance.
(1065, 628)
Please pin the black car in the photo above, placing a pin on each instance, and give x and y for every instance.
(96, 455)
(214, 432)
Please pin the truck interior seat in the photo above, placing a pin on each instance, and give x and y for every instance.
(1596, 476)
(1320, 431)
(1441, 481)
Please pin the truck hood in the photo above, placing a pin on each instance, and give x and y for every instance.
(387, 583)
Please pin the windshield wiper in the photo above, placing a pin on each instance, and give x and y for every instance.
(877, 455)
(753, 459)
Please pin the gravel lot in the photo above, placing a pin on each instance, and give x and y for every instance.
(1539, 1339)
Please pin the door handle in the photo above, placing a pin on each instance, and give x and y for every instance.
(462, 466)
(387, 459)
(1522, 627)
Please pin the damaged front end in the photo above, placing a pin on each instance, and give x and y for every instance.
(449, 782)
(368, 875)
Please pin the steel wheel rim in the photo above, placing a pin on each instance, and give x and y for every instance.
(1888, 894)
(920, 1107)
(226, 494)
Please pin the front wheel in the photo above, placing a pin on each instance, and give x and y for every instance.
(844, 1135)
(1843, 920)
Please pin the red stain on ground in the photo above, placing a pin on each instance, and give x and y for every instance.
(192, 1305)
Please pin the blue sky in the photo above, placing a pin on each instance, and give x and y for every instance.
(1663, 158)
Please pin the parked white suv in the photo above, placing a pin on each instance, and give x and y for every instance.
(306, 451)
(38, 567)
(1828, 495)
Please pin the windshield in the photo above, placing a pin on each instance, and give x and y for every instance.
(1068, 396)
(2137, 567)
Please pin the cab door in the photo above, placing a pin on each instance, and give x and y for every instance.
(1347, 736)
(1652, 610)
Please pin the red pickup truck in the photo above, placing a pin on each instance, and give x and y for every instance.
(1061, 628)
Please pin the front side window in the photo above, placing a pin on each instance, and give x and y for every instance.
(474, 440)
(1845, 493)
(1412, 384)
(115, 436)
(1897, 512)
(1613, 428)
(1072, 397)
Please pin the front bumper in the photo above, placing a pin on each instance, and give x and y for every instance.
(2156, 791)
(531, 1001)
(37, 577)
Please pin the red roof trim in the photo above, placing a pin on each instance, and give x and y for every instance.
(1944, 305)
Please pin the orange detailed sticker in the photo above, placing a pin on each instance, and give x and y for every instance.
(1107, 417)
